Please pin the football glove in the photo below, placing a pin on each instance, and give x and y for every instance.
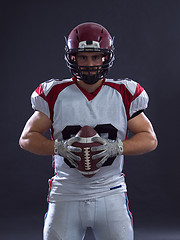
(65, 149)
(109, 148)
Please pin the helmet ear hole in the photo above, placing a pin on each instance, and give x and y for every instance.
(73, 57)
(106, 57)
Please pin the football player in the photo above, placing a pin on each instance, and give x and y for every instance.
(111, 107)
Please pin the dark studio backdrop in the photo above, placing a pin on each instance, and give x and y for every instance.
(147, 42)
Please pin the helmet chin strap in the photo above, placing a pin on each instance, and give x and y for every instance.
(89, 79)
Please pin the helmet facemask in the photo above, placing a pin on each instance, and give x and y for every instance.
(89, 74)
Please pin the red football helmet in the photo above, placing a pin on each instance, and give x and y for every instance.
(89, 37)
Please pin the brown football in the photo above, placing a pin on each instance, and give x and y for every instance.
(87, 165)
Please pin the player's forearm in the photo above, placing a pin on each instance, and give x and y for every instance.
(36, 143)
(140, 143)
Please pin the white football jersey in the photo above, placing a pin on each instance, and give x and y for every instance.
(107, 110)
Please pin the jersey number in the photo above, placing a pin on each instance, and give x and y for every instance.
(104, 130)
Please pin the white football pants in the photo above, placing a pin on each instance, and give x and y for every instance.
(109, 218)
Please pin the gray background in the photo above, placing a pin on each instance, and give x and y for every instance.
(147, 42)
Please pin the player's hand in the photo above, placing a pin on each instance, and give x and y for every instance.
(109, 148)
(65, 149)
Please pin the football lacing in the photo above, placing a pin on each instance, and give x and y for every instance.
(87, 158)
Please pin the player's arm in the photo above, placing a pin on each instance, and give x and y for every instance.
(144, 138)
(32, 138)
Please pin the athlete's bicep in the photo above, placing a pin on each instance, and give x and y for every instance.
(38, 122)
(140, 123)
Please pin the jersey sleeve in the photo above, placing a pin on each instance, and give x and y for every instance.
(39, 101)
(134, 96)
(139, 101)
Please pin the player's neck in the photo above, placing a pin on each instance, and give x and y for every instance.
(89, 88)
